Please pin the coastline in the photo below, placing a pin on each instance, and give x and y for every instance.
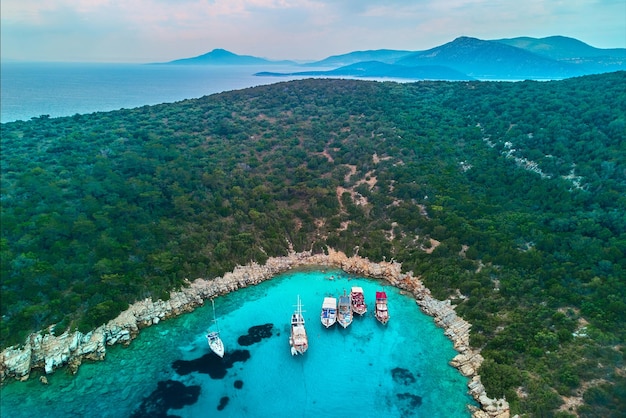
(45, 351)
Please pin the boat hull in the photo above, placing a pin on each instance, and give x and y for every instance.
(328, 322)
(328, 317)
(344, 311)
(215, 343)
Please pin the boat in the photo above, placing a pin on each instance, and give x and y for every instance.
(298, 339)
(329, 312)
(382, 314)
(213, 337)
(344, 310)
(358, 300)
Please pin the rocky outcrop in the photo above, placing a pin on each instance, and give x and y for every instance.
(48, 352)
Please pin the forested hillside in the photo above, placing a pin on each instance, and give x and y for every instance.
(508, 198)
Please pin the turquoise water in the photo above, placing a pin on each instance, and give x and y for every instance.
(368, 370)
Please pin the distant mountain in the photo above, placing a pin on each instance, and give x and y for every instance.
(388, 56)
(464, 58)
(562, 47)
(376, 69)
(223, 57)
(573, 51)
(491, 60)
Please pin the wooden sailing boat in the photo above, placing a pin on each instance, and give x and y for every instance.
(382, 314)
(298, 339)
(358, 300)
(213, 337)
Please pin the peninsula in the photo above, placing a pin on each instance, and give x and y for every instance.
(505, 198)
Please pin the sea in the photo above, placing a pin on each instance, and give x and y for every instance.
(30, 90)
(65, 89)
(365, 370)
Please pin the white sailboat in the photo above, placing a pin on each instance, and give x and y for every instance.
(213, 337)
(298, 339)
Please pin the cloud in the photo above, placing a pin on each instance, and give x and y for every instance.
(153, 30)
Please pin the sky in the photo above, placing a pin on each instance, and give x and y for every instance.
(139, 31)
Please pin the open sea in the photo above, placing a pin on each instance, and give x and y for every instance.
(365, 370)
(65, 89)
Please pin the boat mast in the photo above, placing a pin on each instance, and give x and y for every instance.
(214, 317)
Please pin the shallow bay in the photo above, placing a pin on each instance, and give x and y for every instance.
(367, 369)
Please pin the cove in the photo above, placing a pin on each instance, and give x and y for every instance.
(367, 369)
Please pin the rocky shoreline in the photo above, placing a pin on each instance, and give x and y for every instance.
(48, 352)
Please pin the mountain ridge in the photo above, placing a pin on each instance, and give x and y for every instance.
(384, 70)
(464, 58)
(488, 59)
(561, 47)
(388, 56)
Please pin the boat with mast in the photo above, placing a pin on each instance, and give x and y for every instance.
(329, 312)
(213, 337)
(358, 300)
(344, 310)
(382, 314)
(298, 339)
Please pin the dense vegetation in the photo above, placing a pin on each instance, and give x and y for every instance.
(508, 198)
